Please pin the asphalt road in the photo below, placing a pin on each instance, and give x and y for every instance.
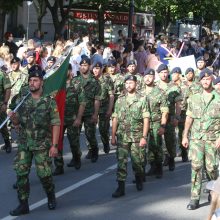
(86, 193)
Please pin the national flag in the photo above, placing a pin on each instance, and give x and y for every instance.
(55, 84)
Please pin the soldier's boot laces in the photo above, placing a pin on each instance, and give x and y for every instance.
(120, 191)
(51, 203)
(95, 155)
(8, 147)
(77, 162)
(193, 204)
(152, 169)
(171, 164)
(22, 209)
(159, 170)
(139, 182)
(71, 163)
(58, 171)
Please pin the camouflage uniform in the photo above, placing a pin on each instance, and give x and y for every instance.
(118, 81)
(92, 90)
(4, 84)
(107, 88)
(35, 139)
(173, 94)
(75, 97)
(140, 81)
(204, 133)
(157, 105)
(130, 112)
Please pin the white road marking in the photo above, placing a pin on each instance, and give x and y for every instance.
(68, 189)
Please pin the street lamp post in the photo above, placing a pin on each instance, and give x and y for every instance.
(130, 18)
(28, 17)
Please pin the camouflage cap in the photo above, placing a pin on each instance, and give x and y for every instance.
(15, 60)
(217, 80)
(162, 67)
(36, 71)
(149, 71)
(130, 77)
(176, 70)
(205, 72)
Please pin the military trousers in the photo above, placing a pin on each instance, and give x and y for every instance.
(4, 130)
(137, 158)
(73, 135)
(104, 125)
(202, 153)
(155, 149)
(22, 166)
(181, 129)
(170, 140)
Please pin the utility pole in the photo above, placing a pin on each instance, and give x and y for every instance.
(130, 18)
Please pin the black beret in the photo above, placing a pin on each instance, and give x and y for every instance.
(201, 58)
(176, 70)
(111, 63)
(149, 71)
(51, 58)
(217, 80)
(15, 60)
(31, 53)
(85, 60)
(132, 62)
(36, 71)
(189, 70)
(205, 72)
(162, 67)
(97, 64)
(130, 77)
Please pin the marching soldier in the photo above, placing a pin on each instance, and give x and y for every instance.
(158, 108)
(173, 94)
(106, 104)
(130, 125)
(31, 60)
(38, 123)
(202, 127)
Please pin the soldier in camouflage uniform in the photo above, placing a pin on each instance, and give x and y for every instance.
(131, 123)
(131, 70)
(202, 127)
(35, 119)
(173, 94)
(74, 109)
(201, 64)
(158, 107)
(5, 91)
(106, 104)
(117, 78)
(31, 60)
(92, 91)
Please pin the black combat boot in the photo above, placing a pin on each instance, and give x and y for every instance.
(139, 182)
(159, 171)
(95, 155)
(22, 209)
(166, 160)
(58, 171)
(77, 162)
(8, 147)
(71, 163)
(106, 149)
(152, 169)
(51, 202)
(184, 155)
(193, 204)
(120, 191)
(89, 154)
(171, 164)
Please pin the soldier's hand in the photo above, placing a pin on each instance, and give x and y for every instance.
(94, 119)
(143, 142)
(113, 141)
(13, 117)
(161, 131)
(53, 152)
(217, 143)
(77, 122)
(185, 142)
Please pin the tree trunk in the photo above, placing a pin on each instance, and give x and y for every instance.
(2, 25)
(101, 23)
